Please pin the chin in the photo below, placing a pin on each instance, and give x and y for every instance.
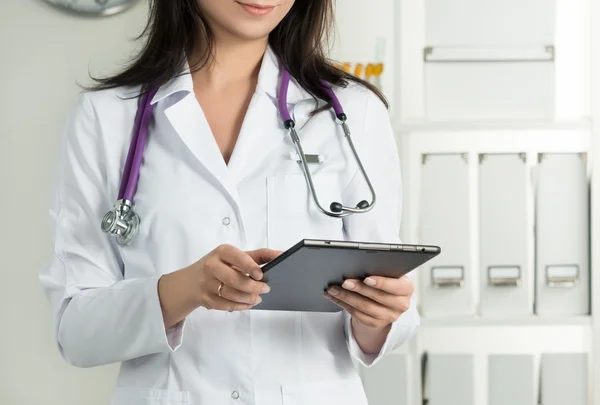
(252, 33)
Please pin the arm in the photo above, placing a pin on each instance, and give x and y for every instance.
(100, 318)
(378, 151)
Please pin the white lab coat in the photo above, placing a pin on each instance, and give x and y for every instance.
(104, 296)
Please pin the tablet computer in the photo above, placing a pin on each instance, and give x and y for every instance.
(300, 275)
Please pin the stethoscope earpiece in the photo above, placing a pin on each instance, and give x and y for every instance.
(336, 207)
(362, 205)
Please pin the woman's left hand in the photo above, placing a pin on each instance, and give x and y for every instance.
(376, 302)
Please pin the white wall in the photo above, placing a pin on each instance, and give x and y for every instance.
(365, 34)
(43, 52)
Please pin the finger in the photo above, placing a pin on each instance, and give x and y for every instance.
(222, 304)
(361, 317)
(237, 296)
(239, 260)
(384, 298)
(262, 256)
(398, 303)
(361, 303)
(228, 276)
(242, 283)
(395, 286)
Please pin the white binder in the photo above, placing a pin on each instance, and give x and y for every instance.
(388, 382)
(505, 234)
(476, 87)
(449, 380)
(511, 380)
(489, 22)
(564, 379)
(562, 235)
(446, 282)
(484, 61)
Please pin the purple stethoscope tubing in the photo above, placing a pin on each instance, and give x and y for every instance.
(123, 222)
(133, 164)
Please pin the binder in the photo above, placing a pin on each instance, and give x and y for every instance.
(482, 88)
(388, 382)
(562, 235)
(449, 380)
(505, 234)
(446, 282)
(452, 23)
(497, 66)
(511, 380)
(564, 379)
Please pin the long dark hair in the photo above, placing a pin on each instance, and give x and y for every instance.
(177, 29)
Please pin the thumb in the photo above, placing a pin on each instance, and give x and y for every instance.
(262, 256)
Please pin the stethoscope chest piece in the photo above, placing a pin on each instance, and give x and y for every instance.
(122, 222)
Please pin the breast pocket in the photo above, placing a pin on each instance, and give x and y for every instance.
(346, 392)
(140, 396)
(293, 214)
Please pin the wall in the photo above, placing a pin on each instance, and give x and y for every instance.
(365, 34)
(43, 52)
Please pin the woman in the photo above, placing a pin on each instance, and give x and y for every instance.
(218, 195)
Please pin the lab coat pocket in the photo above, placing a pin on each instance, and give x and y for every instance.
(141, 396)
(347, 392)
(293, 214)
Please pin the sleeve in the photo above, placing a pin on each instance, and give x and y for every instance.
(99, 317)
(379, 154)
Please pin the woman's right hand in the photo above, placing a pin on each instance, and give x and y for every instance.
(198, 285)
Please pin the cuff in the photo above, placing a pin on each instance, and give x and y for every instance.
(401, 330)
(169, 339)
(175, 335)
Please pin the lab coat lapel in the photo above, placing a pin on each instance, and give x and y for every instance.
(301, 113)
(262, 131)
(190, 123)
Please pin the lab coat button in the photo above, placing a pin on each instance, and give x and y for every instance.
(226, 221)
(235, 395)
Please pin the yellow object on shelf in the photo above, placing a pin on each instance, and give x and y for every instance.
(370, 72)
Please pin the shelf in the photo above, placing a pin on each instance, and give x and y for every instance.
(493, 140)
(424, 126)
(507, 322)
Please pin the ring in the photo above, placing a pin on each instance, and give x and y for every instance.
(219, 291)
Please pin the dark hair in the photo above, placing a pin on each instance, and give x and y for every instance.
(177, 28)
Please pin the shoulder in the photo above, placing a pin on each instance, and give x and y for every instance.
(367, 113)
(360, 101)
(109, 100)
(99, 123)
(103, 111)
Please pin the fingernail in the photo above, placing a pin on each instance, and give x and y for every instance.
(370, 281)
(348, 285)
(258, 301)
(334, 291)
(265, 290)
(326, 295)
(256, 274)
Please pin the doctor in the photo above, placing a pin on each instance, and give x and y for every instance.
(220, 191)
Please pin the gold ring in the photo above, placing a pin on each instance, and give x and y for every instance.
(219, 291)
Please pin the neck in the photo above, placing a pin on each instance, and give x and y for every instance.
(233, 63)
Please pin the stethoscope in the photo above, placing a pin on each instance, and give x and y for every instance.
(124, 223)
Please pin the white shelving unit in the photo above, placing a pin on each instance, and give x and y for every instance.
(477, 335)
(575, 128)
(593, 19)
